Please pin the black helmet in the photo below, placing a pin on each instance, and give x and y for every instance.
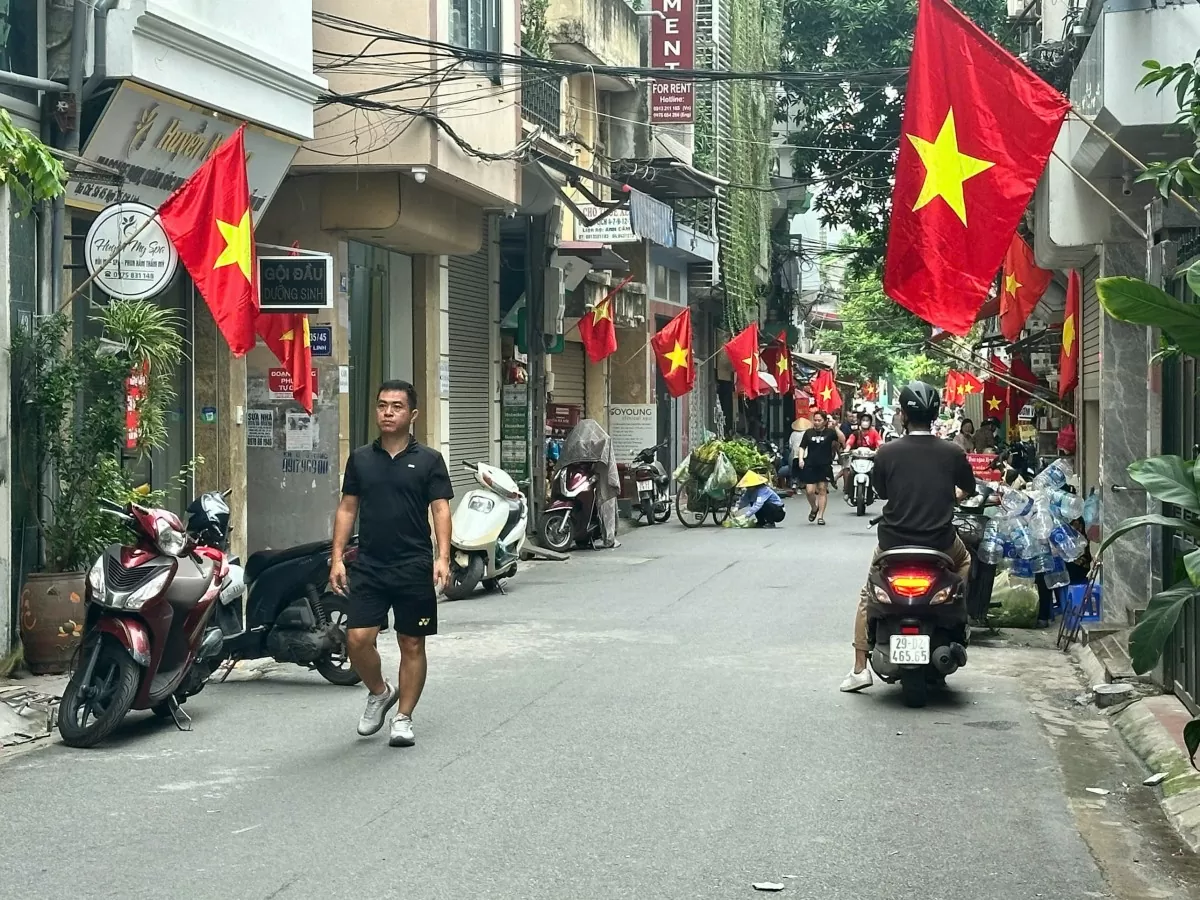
(920, 401)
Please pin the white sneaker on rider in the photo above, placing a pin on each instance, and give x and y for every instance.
(856, 681)
(377, 707)
(402, 732)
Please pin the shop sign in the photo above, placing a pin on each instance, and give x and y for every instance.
(320, 340)
(130, 259)
(295, 283)
(514, 431)
(156, 141)
(981, 465)
(633, 427)
(614, 228)
(279, 384)
(673, 46)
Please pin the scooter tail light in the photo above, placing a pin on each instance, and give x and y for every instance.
(911, 582)
(910, 629)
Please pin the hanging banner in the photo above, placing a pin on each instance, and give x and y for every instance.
(673, 46)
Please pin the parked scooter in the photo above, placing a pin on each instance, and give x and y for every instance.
(861, 493)
(279, 604)
(573, 513)
(148, 641)
(653, 485)
(970, 518)
(488, 533)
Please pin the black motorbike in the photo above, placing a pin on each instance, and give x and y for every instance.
(653, 485)
(279, 604)
(970, 518)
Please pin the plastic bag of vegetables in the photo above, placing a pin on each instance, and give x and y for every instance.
(724, 477)
(681, 474)
(744, 456)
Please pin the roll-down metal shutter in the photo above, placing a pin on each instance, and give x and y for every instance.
(570, 376)
(1089, 340)
(470, 363)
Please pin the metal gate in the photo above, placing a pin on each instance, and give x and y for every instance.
(570, 375)
(470, 362)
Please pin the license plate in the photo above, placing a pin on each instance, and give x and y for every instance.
(910, 649)
(645, 485)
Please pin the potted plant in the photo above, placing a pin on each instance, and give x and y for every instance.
(70, 402)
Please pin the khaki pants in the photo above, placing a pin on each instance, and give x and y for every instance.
(962, 564)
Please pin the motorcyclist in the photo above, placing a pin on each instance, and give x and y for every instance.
(864, 435)
(919, 477)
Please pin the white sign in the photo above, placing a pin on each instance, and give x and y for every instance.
(614, 228)
(260, 428)
(633, 427)
(145, 264)
(156, 141)
(300, 432)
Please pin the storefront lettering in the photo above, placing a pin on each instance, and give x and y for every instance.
(193, 144)
(138, 175)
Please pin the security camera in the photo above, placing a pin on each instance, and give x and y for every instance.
(511, 212)
(418, 174)
(1127, 184)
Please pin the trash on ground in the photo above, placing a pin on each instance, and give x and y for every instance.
(768, 886)
(1155, 780)
(1099, 791)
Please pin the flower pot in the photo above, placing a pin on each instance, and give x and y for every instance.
(51, 619)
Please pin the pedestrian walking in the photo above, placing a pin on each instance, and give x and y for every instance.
(392, 486)
(820, 444)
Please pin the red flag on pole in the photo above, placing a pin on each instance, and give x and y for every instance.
(978, 128)
(950, 392)
(742, 350)
(1068, 358)
(778, 360)
(673, 350)
(208, 221)
(825, 392)
(965, 385)
(287, 336)
(1022, 283)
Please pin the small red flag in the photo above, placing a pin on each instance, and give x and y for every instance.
(950, 392)
(673, 350)
(208, 221)
(778, 359)
(995, 400)
(965, 385)
(742, 350)
(870, 393)
(1068, 358)
(1022, 283)
(825, 392)
(287, 336)
(978, 128)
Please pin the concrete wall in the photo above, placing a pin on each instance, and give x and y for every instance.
(606, 29)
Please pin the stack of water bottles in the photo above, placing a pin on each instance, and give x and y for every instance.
(1033, 534)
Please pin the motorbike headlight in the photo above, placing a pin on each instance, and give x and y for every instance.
(482, 504)
(148, 591)
(880, 594)
(170, 541)
(945, 595)
(96, 579)
(861, 466)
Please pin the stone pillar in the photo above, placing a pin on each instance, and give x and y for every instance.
(1125, 353)
(431, 349)
(596, 390)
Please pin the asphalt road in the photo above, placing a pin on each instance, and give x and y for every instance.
(659, 721)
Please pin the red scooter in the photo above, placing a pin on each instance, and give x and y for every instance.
(147, 642)
(573, 513)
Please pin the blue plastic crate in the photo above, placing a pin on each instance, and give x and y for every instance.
(1091, 604)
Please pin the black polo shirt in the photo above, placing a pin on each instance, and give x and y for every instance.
(394, 495)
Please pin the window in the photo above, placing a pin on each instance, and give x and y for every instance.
(20, 47)
(668, 284)
(474, 24)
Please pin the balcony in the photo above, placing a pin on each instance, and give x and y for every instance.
(541, 100)
(596, 33)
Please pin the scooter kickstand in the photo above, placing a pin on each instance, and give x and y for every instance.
(227, 666)
(182, 720)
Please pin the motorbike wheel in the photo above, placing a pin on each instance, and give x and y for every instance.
(335, 667)
(556, 531)
(689, 517)
(114, 685)
(662, 509)
(648, 510)
(862, 504)
(914, 688)
(464, 581)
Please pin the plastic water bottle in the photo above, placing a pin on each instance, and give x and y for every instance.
(1068, 543)
(1067, 507)
(1022, 568)
(1043, 563)
(1057, 576)
(1020, 539)
(1041, 523)
(1016, 503)
(1053, 477)
(991, 545)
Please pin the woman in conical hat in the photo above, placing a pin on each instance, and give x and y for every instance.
(759, 502)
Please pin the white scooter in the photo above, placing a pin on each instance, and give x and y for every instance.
(488, 533)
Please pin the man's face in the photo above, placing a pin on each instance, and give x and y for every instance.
(393, 414)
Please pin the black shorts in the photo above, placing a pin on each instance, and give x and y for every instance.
(407, 591)
(815, 474)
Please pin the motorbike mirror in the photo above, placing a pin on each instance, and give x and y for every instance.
(227, 493)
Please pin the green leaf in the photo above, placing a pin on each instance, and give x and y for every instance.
(1191, 562)
(1191, 737)
(1167, 478)
(1136, 522)
(1150, 635)
(1133, 300)
(1151, 64)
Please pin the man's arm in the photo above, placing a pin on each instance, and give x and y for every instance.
(441, 533)
(343, 526)
(964, 476)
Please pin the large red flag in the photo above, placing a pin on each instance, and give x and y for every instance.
(965, 385)
(208, 221)
(742, 350)
(1068, 357)
(1022, 283)
(673, 350)
(598, 332)
(778, 360)
(287, 336)
(825, 392)
(978, 128)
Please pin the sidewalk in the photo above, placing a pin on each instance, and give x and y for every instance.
(29, 708)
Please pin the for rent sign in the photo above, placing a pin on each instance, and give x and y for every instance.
(673, 46)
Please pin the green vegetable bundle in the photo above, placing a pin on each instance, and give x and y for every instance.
(745, 456)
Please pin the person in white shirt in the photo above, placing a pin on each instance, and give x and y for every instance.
(795, 454)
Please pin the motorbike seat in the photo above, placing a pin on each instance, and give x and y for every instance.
(913, 555)
(262, 560)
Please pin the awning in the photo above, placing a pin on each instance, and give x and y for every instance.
(667, 178)
(601, 256)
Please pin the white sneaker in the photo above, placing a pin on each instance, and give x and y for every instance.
(856, 681)
(377, 707)
(402, 733)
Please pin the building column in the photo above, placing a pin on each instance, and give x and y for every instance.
(431, 349)
(596, 390)
(1125, 412)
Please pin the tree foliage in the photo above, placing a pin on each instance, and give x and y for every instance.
(842, 121)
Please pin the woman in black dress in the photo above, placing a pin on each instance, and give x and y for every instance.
(820, 446)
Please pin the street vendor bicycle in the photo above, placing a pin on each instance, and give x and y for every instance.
(701, 495)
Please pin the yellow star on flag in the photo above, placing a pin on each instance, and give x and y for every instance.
(1011, 285)
(752, 365)
(678, 358)
(966, 388)
(993, 403)
(601, 312)
(946, 168)
(826, 394)
(782, 365)
(1068, 334)
(290, 334)
(239, 245)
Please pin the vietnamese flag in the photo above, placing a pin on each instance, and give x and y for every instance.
(778, 360)
(977, 130)
(742, 350)
(1022, 283)
(950, 392)
(287, 336)
(673, 350)
(597, 330)
(208, 221)
(1068, 357)
(995, 393)
(870, 393)
(965, 385)
(825, 392)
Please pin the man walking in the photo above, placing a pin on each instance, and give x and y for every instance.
(391, 487)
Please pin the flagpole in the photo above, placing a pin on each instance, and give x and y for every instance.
(87, 281)
(1099, 193)
(1021, 386)
(629, 358)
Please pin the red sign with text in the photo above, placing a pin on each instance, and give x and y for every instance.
(981, 465)
(135, 390)
(279, 383)
(673, 46)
